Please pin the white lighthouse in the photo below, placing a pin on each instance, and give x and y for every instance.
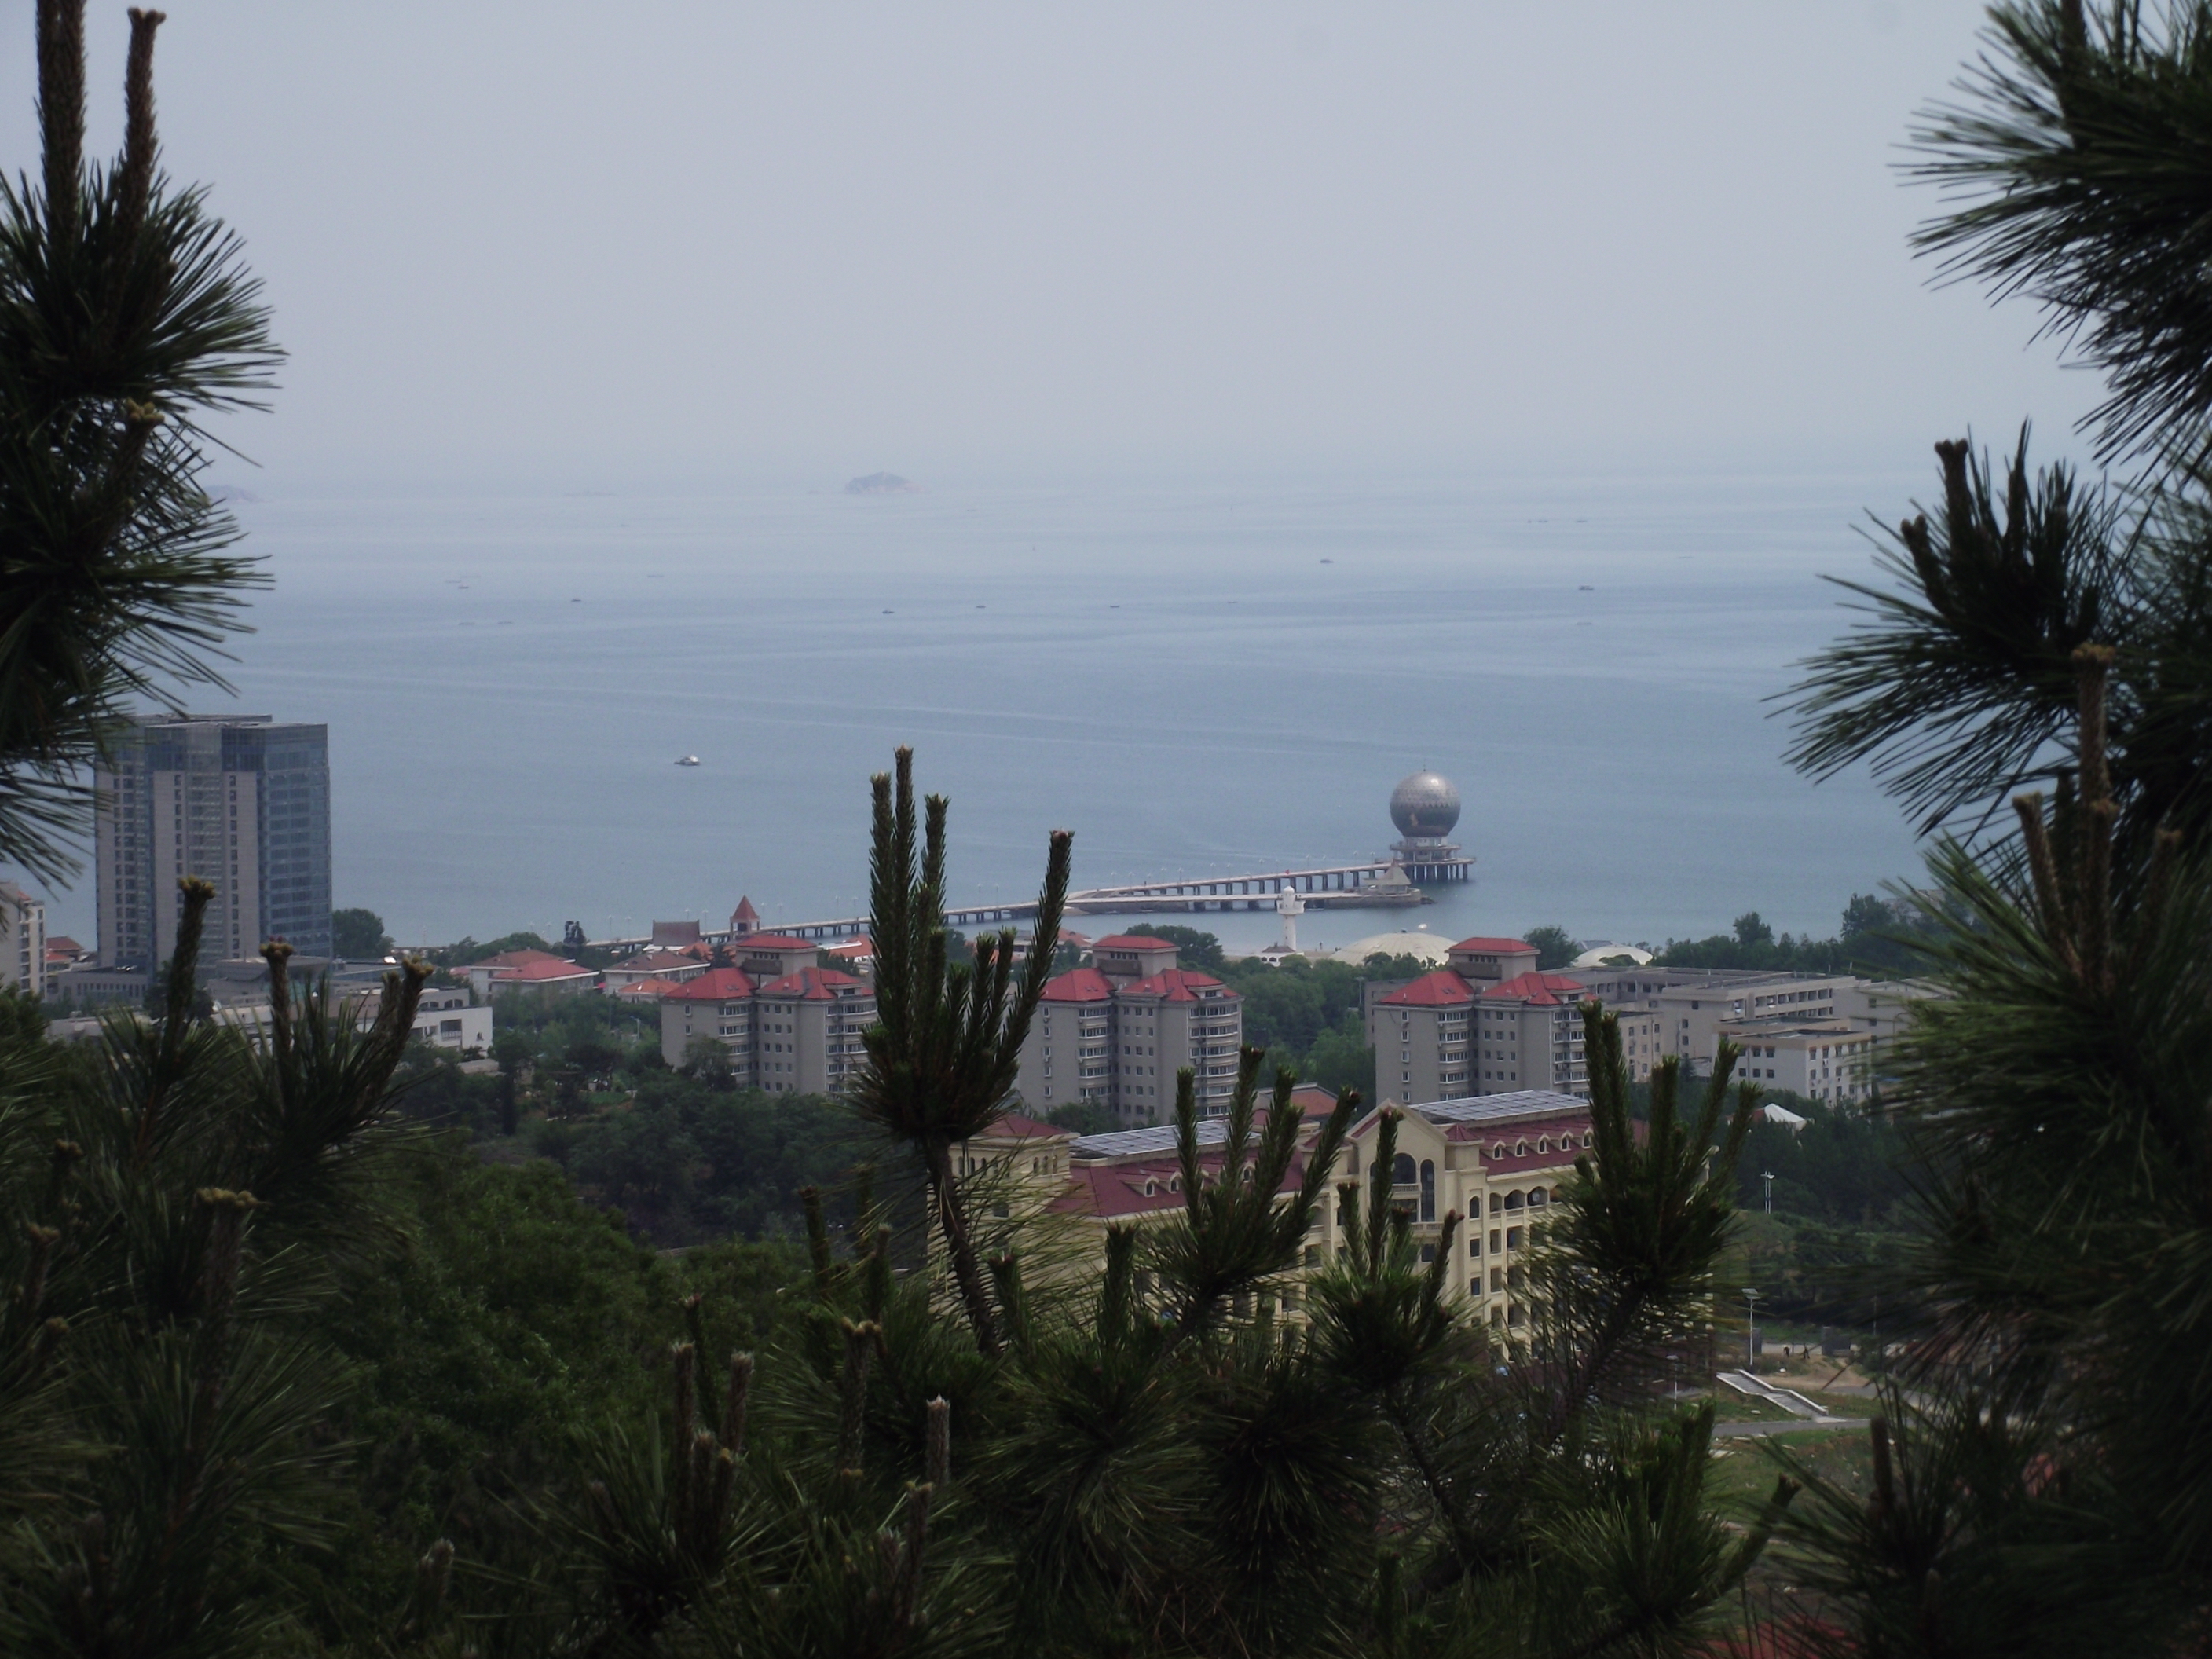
(1290, 906)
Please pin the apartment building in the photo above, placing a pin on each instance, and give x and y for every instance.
(1690, 1005)
(789, 1026)
(243, 802)
(22, 940)
(1500, 1162)
(1487, 1023)
(1828, 1060)
(1118, 1031)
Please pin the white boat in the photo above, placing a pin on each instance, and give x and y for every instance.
(687, 760)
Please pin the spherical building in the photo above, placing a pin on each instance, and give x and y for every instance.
(1425, 806)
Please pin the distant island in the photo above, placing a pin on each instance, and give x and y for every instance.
(882, 483)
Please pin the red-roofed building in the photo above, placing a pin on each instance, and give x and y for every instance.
(744, 919)
(554, 974)
(1116, 1033)
(798, 1032)
(678, 965)
(772, 956)
(717, 1004)
(1475, 1028)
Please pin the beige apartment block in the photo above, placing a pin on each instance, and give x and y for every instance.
(1487, 1023)
(1500, 1162)
(1690, 1005)
(789, 1027)
(22, 940)
(1827, 1059)
(1118, 1031)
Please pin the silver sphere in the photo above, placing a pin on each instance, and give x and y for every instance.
(1425, 806)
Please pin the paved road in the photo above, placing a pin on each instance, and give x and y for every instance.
(1748, 1431)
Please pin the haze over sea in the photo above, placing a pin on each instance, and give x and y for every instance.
(1196, 677)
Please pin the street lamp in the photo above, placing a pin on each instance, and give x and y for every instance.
(1751, 1331)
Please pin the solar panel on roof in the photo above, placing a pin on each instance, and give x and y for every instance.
(1484, 1109)
(1159, 1137)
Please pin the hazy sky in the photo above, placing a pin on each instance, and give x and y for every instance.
(610, 242)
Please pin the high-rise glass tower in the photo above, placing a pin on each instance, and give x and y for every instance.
(242, 800)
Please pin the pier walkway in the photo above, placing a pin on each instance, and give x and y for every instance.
(1337, 887)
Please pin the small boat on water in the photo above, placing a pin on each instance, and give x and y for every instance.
(687, 760)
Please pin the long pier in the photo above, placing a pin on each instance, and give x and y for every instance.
(1380, 885)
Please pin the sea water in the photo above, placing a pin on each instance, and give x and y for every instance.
(1198, 678)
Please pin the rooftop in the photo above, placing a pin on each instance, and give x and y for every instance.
(1154, 1137)
(1502, 1108)
(774, 942)
(814, 985)
(715, 985)
(1539, 990)
(1180, 985)
(537, 973)
(1080, 985)
(1133, 942)
(1430, 991)
(1480, 946)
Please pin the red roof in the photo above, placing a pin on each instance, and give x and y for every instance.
(1313, 1101)
(811, 985)
(715, 985)
(1109, 1190)
(517, 959)
(774, 942)
(1132, 942)
(539, 972)
(1434, 990)
(1080, 985)
(1179, 985)
(61, 944)
(650, 990)
(1493, 946)
(745, 912)
(1538, 990)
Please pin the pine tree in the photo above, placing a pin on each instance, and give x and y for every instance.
(2043, 1469)
(126, 317)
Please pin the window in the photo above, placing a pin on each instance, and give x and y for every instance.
(1428, 1193)
(1402, 1170)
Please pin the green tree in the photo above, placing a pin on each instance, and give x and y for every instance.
(179, 1208)
(127, 318)
(1193, 948)
(359, 935)
(1555, 947)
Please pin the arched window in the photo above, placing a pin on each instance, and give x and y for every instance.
(1514, 1200)
(1401, 1172)
(1428, 1190)
(1498, 1152)
(1151, 1188)
(1544, 1143)
(1175, 1183)
(1535, 1198)
(1586, 1137)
